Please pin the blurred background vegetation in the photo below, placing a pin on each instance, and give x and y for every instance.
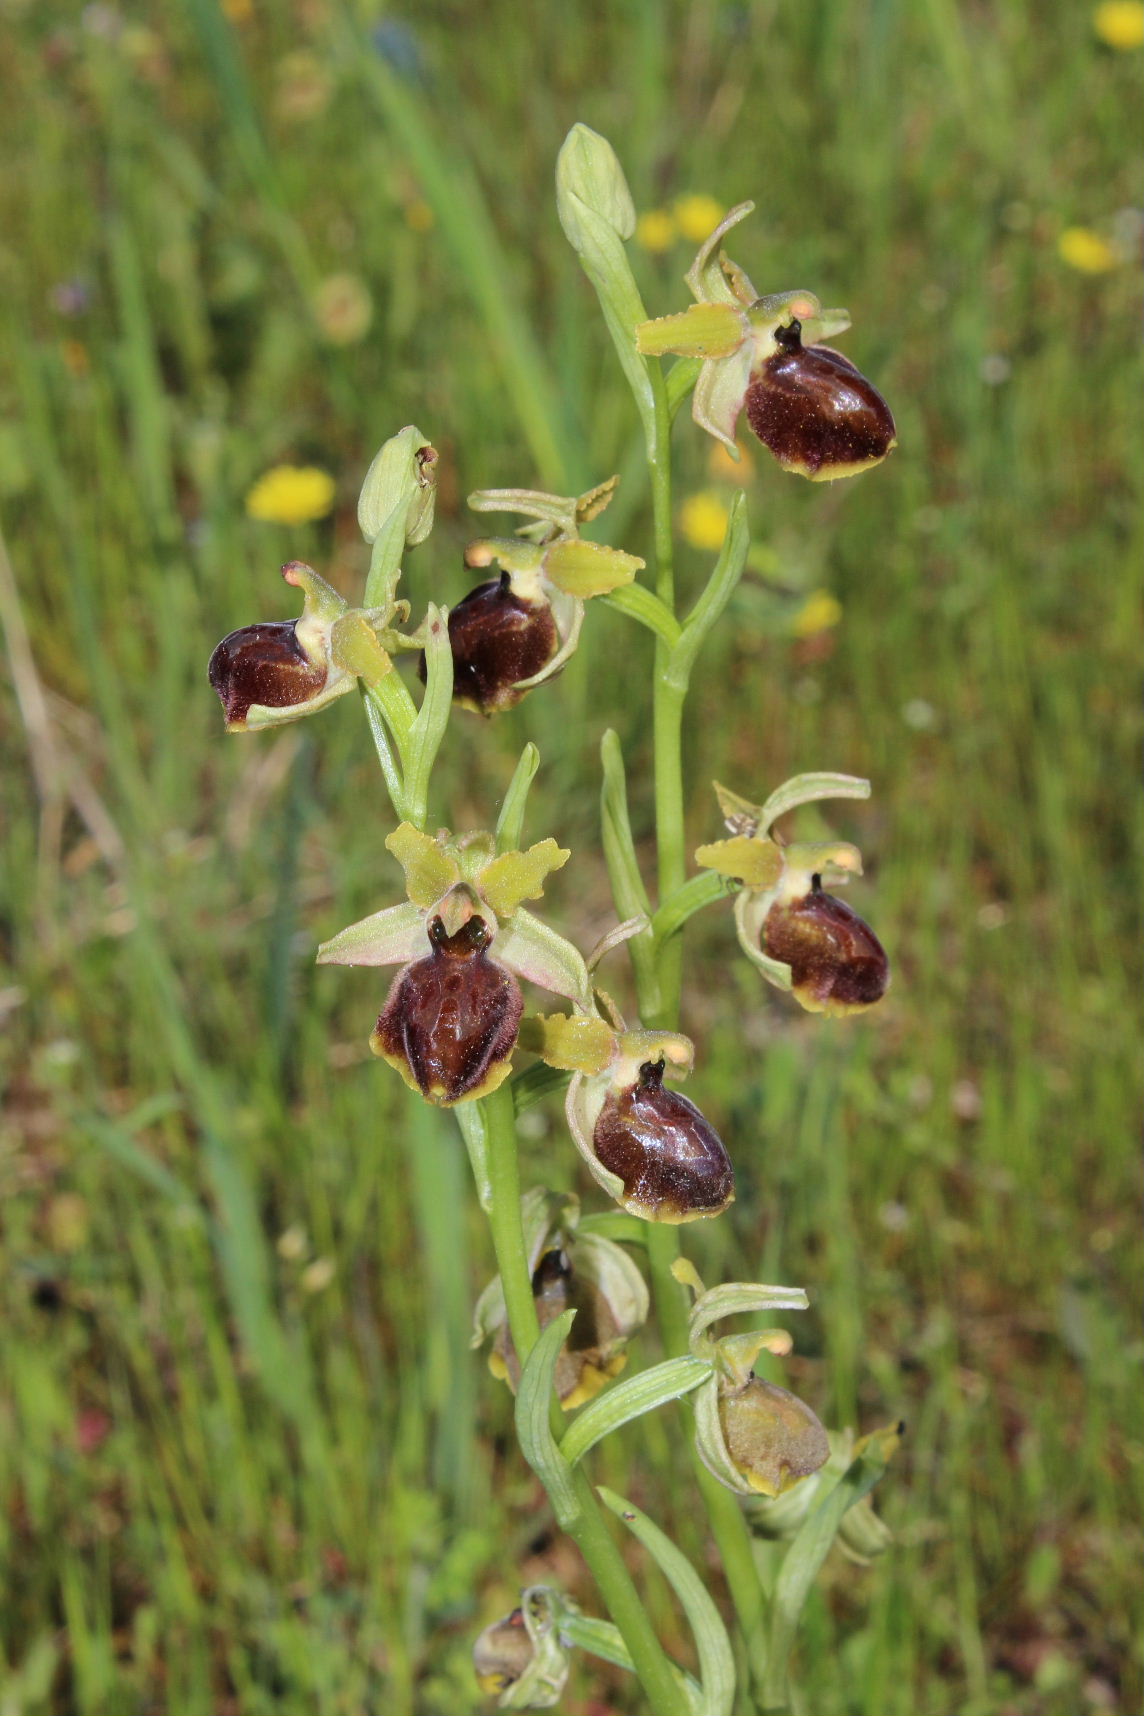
(247, 1461)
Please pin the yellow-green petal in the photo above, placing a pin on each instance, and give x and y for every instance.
(703, 331)
(517, 876)
(758, 863)
(584, 569)
(574, 1042)
(429, 871)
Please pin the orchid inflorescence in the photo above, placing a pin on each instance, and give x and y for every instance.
(569, 1298)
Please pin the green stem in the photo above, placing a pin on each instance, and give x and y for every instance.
(588, 1530)
(728, 1525)
(667, 717)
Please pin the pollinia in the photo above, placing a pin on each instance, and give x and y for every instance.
(471, 947)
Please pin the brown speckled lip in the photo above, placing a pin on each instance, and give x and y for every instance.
(815, 411)
(450, 1021)
(772, 1436)
(837, 963)
(497, 640)
(263, 664)
(670, 1159)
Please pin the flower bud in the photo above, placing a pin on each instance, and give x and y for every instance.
(772, 1438)
(450, 1021)
(815, 411)
(670, 1160)
(498, 639)
(837, 963)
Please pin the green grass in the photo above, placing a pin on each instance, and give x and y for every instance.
(226, 1487)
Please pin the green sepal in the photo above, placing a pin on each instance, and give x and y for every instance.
(630, 1399)
(712, 1646)
(719, 394)
(391, 937)
(711, 1443)
(538, 953)
(565, 513)
(533, 1429)
(732, 1299)
(518, 876)
(430, 871)
(750, 914)
(585, 569)
(803, 789)
(706, 277)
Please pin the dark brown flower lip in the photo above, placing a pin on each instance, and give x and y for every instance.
(263, 664)
(816, 411)
(556, 1288)
(671, 1160)
(837, 963)
(497, 639)
(450, 1021)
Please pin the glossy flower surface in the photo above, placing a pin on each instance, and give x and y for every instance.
(280, 670)
(500, 642)
(451, 1019)
(802, 938)
(449, 1024)
(650, 1148)
(815, 411)
(837, 963)
(513, 632)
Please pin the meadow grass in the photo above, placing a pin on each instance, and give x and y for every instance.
(248, 1462)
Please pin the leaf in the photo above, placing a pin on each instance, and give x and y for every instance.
(511, 819)
(533, 1428)
(716, 1663)
(631, 1399)
(433, 715)
(727, 571)
(810, 1548)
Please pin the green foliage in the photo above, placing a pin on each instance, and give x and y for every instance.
(239, 1468)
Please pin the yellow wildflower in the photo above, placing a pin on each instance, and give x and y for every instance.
(238, 11)
(655, 231)
(703, 520)
(1120, 24)
(291, 494)
(343, 308)
(818, 613)
(697, 216)
(1085, 250)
